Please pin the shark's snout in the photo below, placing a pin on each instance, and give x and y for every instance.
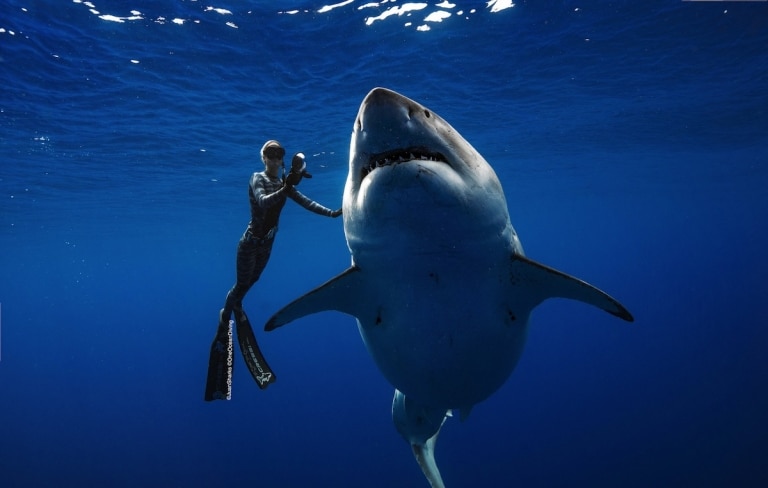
(391, 129)
(383, 104)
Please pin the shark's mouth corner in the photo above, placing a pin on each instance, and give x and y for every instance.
(397, 156)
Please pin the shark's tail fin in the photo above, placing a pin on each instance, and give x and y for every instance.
(549, 282)
(420, 426)
(425, 456)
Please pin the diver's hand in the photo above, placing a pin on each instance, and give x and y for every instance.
(292, 179)
(336, 213)
(298, 170)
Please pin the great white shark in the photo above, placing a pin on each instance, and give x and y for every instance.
(439, 283)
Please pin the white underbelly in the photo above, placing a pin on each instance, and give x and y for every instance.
(442, 334)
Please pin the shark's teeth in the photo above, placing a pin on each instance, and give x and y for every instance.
(398, 156)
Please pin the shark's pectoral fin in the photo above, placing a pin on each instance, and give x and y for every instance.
(548, 282)
(420, 425)
(340, 293)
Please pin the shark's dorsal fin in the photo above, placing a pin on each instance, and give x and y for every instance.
(548, 282)
(339, 293)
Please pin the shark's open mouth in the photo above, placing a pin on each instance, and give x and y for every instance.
(397, 156)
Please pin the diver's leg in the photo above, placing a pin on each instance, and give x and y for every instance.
(257, 365)
(248, 266)
(220, 360)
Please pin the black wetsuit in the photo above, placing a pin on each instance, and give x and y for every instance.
(267, 196)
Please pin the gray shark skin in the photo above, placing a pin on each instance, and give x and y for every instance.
(439, 283)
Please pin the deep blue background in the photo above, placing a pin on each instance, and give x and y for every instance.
(632, 142)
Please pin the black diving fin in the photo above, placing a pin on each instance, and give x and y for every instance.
(220, 363)
(257, 365)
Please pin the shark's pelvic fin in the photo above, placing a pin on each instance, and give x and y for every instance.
(339, 293)
(549, 282)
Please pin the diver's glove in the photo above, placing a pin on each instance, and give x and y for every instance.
(298, 170)
(336, 213)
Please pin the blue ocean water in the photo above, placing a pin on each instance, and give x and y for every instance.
(631, 139)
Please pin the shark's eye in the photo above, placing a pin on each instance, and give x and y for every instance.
(427, 114)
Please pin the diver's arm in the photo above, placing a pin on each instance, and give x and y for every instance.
(310, 204)
(265, 193)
